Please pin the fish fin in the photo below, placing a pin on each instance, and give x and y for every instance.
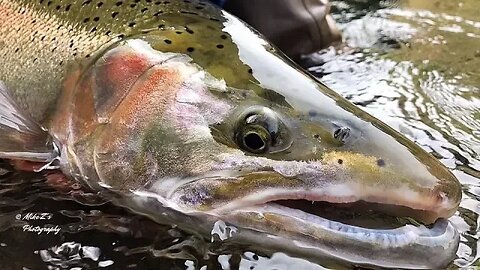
(20, 136)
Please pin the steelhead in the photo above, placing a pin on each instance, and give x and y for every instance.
(182, 103)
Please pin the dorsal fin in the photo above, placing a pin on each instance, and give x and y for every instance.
(20, 136)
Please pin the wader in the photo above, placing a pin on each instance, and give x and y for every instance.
(295, 26)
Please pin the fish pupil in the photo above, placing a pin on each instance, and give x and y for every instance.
(254, 141)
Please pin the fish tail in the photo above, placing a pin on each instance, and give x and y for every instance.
(21, 137)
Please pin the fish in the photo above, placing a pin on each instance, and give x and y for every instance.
(181, 105)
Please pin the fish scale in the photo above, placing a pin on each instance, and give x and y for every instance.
(40, 40)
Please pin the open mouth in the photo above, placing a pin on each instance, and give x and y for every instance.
(369, 226)
(358, 217)
(354, 228)
(360, 214)
(376, 213)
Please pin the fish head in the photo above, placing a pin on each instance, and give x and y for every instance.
(218, 121)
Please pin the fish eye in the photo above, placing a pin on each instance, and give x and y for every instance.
(260, 130)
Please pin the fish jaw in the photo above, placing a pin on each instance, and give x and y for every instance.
(238, 181)
(247, 193)
(406, 247)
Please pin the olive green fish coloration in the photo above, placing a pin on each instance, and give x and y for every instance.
(180, 104)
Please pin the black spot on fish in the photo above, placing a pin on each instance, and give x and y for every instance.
(49, 3)
(158, 13)
(190, 49)
(114, 14)
(190, 31)
(168, 41)
(223, 36)
(381, 162)
(340, 161)
(100, 4)
(86, 20)
(67, 8)
(220, 46)
(312, 113)
(119, 3)
(178, 32)
(144, 10)
(58, 7)
(86, 2)
(316, 136)
(131, 24)
(96, 19)
(133, 5)
(250, 71)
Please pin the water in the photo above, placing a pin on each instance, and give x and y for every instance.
(413, 64)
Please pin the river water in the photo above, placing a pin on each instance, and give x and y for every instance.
(413, 64)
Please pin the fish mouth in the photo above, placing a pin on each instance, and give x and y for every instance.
(425, 211)
(275, 197)
(360, 232)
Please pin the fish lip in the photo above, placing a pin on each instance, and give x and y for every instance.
(431, 248)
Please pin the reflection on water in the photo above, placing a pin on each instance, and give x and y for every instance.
(413, 64)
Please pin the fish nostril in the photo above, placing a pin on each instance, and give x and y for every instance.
(341, 134)
(312, 113)
(381, 162)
